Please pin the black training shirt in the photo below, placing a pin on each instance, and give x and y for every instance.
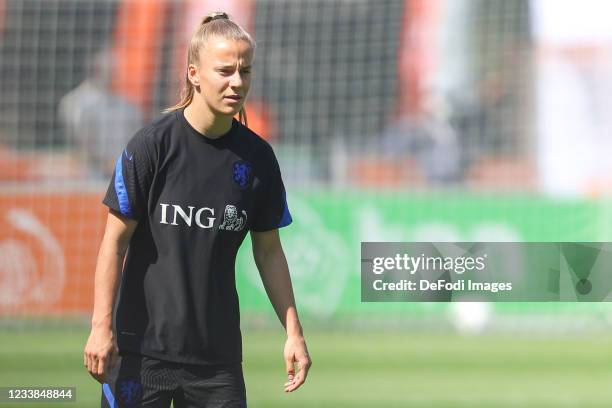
(195, 199)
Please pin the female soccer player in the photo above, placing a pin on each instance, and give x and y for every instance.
(183, 195)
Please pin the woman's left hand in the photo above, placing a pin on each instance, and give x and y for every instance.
(296, 354)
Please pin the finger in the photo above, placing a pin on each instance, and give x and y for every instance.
(85, 359)
(292, 386)
(297, 382)
(90, 363)
(300, 378)
(101, 366)
(290, 382)
(93, 370)
(289, 368)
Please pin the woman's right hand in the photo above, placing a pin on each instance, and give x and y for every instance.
(101, 352)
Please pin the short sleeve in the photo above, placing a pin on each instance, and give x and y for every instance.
(271, 210)
(128, 189)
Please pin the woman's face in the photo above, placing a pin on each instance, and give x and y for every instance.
(224, 74)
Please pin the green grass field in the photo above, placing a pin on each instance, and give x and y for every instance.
(356, 369)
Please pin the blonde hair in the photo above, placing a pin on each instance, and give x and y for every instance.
(217, 24)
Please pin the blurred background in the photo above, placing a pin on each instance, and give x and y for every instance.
(393, 120)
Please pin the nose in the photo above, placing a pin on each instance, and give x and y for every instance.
(236, 80)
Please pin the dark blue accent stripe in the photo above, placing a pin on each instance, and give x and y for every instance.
(109, 396)
(122, 194)
(286, 219)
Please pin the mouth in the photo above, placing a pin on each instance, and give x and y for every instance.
(234, 97)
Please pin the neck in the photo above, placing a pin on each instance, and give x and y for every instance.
(204, 121)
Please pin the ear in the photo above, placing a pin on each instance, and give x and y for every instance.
(193, 75)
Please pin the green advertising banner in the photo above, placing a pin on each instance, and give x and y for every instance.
(323, 243)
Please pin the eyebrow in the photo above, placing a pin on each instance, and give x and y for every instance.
(231, 66)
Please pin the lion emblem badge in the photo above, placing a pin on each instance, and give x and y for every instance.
(231, 220)
(243, 173)
(130, 391)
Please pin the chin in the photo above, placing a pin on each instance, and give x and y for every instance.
(227, 111)
(232, 111)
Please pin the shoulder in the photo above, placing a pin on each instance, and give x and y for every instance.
(260, 154)
(160, 128)
(255, 142)
(153, 134)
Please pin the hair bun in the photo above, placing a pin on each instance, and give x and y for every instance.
(217, 15)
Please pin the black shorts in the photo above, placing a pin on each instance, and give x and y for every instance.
(139, 381)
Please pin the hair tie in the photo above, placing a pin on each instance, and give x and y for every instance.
(218, 15)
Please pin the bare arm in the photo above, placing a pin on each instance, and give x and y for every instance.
(101, 349)
(272, 264)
